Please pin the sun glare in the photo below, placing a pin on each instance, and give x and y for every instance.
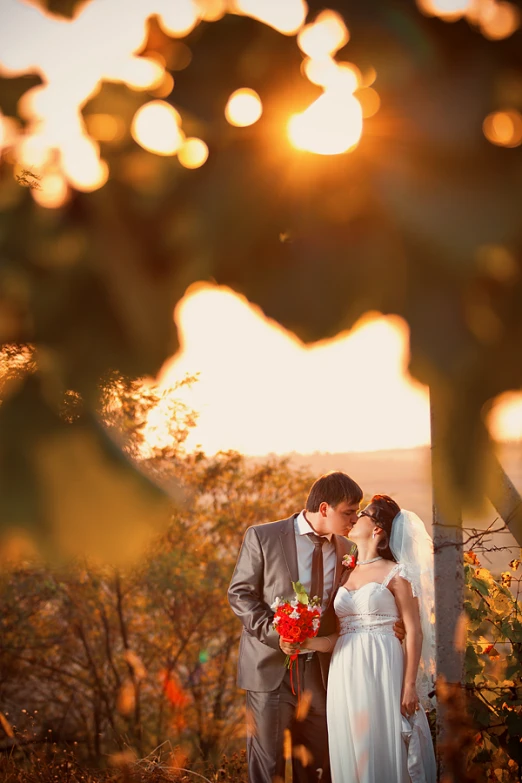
(179, 18)
(53, 191)
(324, 37)
(243, 108)
(496, 20)
(504, 128)
(260, 390)
(505, 417)
(286, 16)
(330, 126)
(449, 10)
(156, 128)
(193, 153)
(75, 56)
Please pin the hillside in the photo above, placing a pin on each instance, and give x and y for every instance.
(405, 475)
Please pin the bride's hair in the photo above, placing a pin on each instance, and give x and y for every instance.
(382, 509)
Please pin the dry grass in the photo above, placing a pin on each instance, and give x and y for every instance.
(63, 767)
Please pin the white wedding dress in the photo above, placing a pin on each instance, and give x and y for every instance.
(367, 733)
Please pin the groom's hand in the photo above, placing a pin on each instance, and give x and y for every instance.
(399, 630)
(289, 648)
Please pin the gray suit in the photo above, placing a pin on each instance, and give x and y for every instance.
(265, 569)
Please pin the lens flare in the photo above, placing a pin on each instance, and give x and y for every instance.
(178, 18)
(330, 74)
(142, 73)
(165, 88)
(370, 101)
(212, 10)
(82, 166)
(500, 21)
(105, 127)
(449, 10)
(53, 192)
(286, 16)
(329, 126)
(324, 37)
(504, 128)
(320, 71)
(155, 127)
(244, 107)
(33, 150)
(9, 131)
(193, 153)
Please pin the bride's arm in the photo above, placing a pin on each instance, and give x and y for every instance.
(320, 643)
(409, 609)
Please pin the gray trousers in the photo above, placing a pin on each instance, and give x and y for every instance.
(270, 713)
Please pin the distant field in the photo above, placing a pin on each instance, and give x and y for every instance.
(405, 475)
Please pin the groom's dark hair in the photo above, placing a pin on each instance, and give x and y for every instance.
(333, 488)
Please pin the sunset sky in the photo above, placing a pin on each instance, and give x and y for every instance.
(260, 390)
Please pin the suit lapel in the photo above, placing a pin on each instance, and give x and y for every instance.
(287, 538)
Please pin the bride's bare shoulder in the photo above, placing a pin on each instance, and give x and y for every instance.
(387, 566)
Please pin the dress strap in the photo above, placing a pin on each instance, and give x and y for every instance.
(408, 573)
(395, 570)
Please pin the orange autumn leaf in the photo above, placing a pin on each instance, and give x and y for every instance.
(6, 726)
(174, 692)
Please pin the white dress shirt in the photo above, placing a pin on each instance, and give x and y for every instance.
(305, 551)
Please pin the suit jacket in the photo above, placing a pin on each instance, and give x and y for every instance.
(266, 567)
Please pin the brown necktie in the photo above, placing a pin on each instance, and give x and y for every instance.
(316, 587)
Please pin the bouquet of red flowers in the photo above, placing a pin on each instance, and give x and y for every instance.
(297, 619)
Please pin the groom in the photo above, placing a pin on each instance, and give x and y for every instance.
(307, 547)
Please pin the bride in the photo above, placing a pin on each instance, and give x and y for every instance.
(377, 727)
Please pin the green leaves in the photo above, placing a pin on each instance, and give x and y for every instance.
(492, 665)
(69, 487)
(301, 593)
(480, 585)
(472, 663)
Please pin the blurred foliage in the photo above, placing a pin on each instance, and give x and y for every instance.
(421, 219)
(66, 485)
(493, 662)
(143, 657)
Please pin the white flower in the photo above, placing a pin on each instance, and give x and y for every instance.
(276, 603)
(276, 620)
(294, 602)
(295, 615)
(315, 623)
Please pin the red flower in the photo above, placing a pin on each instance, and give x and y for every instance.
(298, 619)
(349, 561)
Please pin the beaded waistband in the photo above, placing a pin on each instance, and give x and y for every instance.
(374, 624)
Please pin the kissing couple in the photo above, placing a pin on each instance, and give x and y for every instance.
(368, 672)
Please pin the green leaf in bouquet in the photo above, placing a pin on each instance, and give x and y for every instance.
(301, 593)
